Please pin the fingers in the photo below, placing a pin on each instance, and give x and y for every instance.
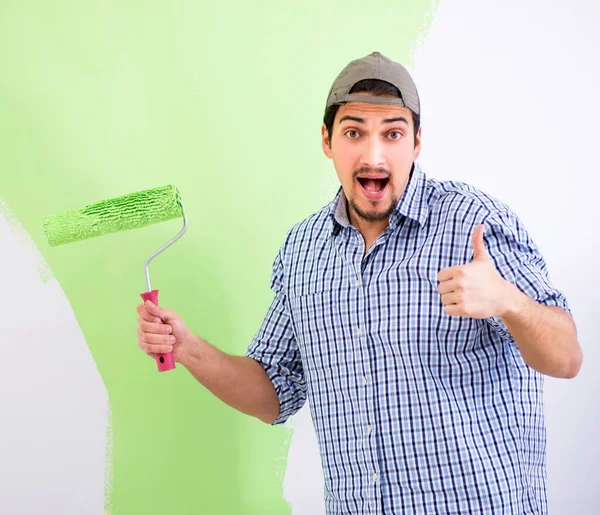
(155, 343)
(151, 327)
(447, 287)
(454, 310)
(153, 350)
(154, 335)
(450, 273)
(451, 298)
(156, 339)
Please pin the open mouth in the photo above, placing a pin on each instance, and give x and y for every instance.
(373, 188)
(373, 185)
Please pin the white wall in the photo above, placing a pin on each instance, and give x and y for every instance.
(510, 96)
(510, 99)
(54, 420)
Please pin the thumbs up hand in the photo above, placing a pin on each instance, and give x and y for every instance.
(474, 290)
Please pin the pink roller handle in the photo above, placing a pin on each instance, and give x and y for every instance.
(163, 361)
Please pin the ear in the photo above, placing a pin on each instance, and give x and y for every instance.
(325, 142)
(417, 150)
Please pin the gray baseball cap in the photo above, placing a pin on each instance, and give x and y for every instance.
(375, 66)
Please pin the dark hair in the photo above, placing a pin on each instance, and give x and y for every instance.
(376, 88)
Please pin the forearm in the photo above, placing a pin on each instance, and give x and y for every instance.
(240, 382)
(545, 335)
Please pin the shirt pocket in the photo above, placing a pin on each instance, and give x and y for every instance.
(318, 327)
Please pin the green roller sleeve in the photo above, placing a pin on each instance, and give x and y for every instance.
(118, 214)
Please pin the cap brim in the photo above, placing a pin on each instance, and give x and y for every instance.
(369, 99)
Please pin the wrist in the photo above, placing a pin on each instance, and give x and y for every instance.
(513, 303)
(192, 351)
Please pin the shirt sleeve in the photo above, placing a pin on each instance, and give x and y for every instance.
(519, 261)
(274, 346)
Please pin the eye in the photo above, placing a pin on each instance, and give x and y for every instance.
(352, 134)
(395, 135)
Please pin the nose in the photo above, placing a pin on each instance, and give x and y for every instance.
(372, 156)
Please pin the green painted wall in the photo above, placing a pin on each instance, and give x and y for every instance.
(225, 100)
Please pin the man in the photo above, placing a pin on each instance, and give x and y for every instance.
(416, 315)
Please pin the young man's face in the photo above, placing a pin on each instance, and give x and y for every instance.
(373, 148)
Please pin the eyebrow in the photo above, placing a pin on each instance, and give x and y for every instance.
(362, 120)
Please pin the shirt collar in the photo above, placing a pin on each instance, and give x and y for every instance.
(413, 203)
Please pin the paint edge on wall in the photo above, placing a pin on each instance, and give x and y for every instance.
(22, 236)
(38, 265)
(108, 461)
(417, 44)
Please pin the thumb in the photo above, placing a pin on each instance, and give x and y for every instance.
(154, 310)
(479, 251)
(164, 314)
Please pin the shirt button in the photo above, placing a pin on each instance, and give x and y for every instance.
(364, 381)
(374, 477)
(358, 283)
(369, 429)
(359, 332)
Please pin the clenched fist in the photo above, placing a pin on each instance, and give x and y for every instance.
(161, 331)
(474, 290)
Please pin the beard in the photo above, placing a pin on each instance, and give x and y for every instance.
(374, 216)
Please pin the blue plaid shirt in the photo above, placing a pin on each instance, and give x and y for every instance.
(415, 412)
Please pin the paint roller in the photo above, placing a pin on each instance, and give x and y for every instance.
(127, 212)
